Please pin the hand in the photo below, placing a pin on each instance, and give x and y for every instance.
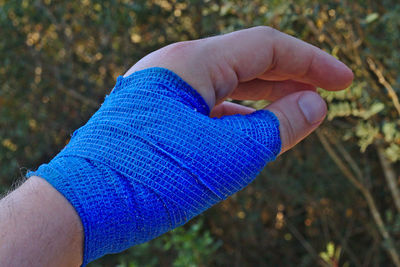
(150, 158)
(255, 64)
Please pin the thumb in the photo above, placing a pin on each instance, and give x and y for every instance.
(282, 124)
(299, 114)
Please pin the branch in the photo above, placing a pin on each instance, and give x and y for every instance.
(78, 96)
(342, 166)
(390, 249)
(385, 83)
(390, 176)
(305, 244)
(350, 160)
(72, 93)
(343, 241)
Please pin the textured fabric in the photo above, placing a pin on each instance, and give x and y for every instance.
(151, 158)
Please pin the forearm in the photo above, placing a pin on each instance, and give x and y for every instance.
(39, 227)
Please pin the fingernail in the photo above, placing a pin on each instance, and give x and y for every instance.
(312, 106)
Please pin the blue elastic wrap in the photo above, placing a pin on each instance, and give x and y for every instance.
(151, 158)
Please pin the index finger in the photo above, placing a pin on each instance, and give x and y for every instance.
(263, 52)
(215, 66)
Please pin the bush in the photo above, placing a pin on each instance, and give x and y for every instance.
(333, 200)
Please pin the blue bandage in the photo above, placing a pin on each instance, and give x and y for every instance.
(151, 158)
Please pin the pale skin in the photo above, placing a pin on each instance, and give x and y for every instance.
(38, 226)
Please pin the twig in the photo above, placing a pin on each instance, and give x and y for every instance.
(72, 93)
(370, 254)
(385, 83)
(343, 242)
(390, 249)
(349, 159)
(390, 176)
(349, 175)
(78, 96)
(305, 244)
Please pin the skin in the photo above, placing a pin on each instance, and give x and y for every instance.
(38, 225)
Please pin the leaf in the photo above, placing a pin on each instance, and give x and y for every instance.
(389, 130)
(337, 253)
(330, 249)
(393, 152)
(374, 109)
(324, 256)
(371, 17)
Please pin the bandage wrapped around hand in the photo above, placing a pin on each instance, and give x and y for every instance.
(151, 158)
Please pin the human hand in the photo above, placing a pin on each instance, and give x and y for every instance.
(259, 63)
(151, 158)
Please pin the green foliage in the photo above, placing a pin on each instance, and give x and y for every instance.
(59, 58)
(186, 246)
(331, 255)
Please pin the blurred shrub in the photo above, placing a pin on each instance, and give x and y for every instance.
(333, 200)
(192, 246)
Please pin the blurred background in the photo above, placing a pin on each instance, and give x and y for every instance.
(334, 200)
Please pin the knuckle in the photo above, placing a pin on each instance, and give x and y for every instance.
(267, 30)
(178, 49)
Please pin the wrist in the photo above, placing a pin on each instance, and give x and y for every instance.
(44, 217)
